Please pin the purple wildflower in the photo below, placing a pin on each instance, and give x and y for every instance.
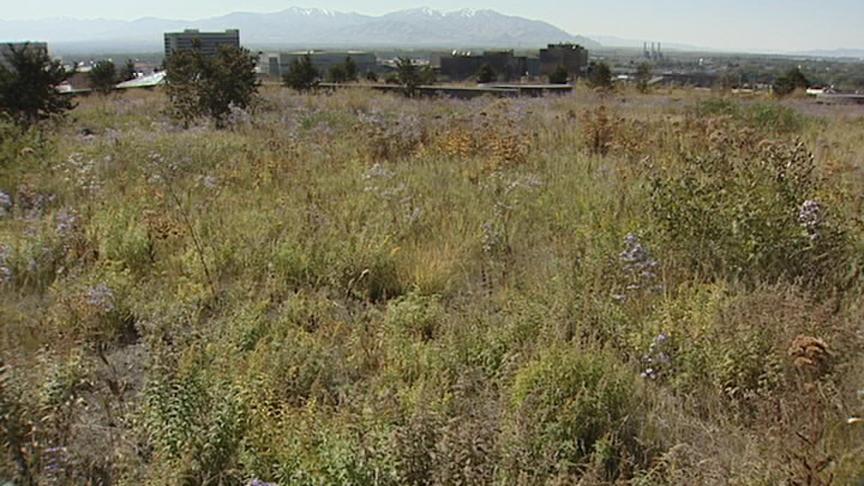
(55, 459)
(636, 257)
(493, 239)
(639, 265)
(209, 181)
(658, 359)
(5, 204)
(5, 272)
(258, 482)
(101, 297)
(67, 222)
(811, 216)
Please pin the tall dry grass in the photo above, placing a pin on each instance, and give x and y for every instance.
(361, 289)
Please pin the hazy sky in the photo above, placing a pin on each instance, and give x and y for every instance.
(729, 24)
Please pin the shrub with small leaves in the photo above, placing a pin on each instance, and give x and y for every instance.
(739, 214)
(563, 403)
(195, 427)
(415, 315)
(598, 129)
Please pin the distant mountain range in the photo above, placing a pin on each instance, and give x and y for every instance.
(840, 53)
(301, 27)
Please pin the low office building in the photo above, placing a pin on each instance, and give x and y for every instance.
(268, 65)
(323, 61)
(506, 66)
(207, 43)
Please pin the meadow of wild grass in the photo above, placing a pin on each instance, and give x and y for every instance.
(363, 289)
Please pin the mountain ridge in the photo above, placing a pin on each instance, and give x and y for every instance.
(310, 27)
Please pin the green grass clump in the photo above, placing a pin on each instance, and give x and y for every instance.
(568, 406)
(761, 115)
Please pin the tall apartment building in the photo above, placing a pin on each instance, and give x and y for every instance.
(208, 43)
(6, 49)
(573, 57)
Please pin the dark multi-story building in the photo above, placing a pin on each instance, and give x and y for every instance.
(6, 49)
(460, 66)
(573, 57)
(207, 43)
(506, 65)
(324, 60)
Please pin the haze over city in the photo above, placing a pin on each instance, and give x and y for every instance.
(766, 26)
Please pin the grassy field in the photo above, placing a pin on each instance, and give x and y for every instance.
(363, 289)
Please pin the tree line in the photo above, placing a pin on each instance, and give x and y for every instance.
(212, 86)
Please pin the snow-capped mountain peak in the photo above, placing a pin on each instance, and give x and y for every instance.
(298, 27)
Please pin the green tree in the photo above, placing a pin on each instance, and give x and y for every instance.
(559, 75)
(599, 75)
(231, 82)
(789, 82)
(210, 86)
(127, 72)
(643, 77)
(344, 72)
(408, 75)
(350, 69)
(103, 77)
(729, 80)
(427, 75)
(302, 76)
(486, 74)
(28, 86)
(371, 77)
(184, 84)
(337, 74)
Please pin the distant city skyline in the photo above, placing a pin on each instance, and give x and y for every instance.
(758, 25)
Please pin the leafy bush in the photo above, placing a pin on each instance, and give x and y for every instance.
(563, 404)
(762, 116)
(643, 77)
(408, 75)
(599, 75)
(736, 346)
(486, 74)
(415, 315)
(195, 429)
(17, 145)
(294, 369)
(103, 77)
(559, 76)
(123, 239)
(743, 215)
(97, 310)
(302, 76)
(293, 263)
(344, 72)
(789, 82)
(373, 276)
(598, 130)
